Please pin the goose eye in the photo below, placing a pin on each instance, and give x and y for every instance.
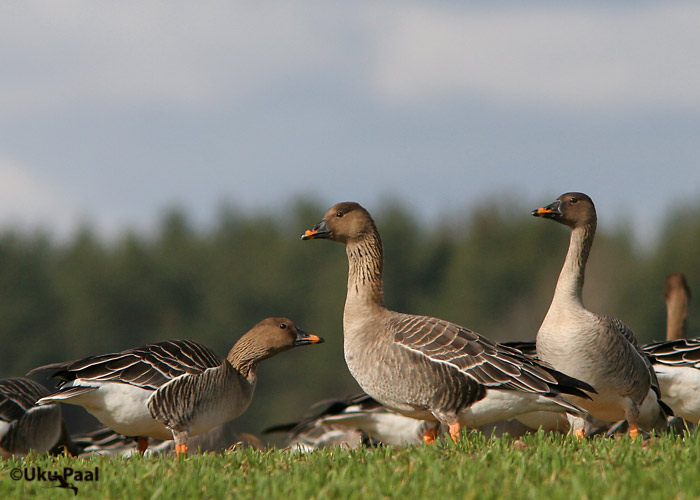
(339, 214)
(283, 326)
(573, 199)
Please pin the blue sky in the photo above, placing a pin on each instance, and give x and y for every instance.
(110, 112)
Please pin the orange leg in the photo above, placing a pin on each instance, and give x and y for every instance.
(181, 449)
(580, 433)
(454, 431)
(141, 444)
(634, 431)
(430, 435)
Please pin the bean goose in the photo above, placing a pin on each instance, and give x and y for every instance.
(427, 368)
(676, 359)
(105, 441)
(353, 421)
(598, 349)
(23, 425)
(172, 389)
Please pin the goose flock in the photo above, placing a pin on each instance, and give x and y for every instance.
(420, 375)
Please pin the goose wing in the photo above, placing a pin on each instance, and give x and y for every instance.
(681, 352)
(149, 366)
(489, 363)
(625, 331)
(17, 397)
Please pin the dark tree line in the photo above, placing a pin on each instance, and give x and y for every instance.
(492, 270)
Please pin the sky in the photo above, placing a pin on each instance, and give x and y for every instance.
(113, 112)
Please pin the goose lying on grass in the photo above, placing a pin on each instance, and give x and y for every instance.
(172, 389)
(26, 427)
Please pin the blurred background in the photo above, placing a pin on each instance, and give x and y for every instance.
(159, 161)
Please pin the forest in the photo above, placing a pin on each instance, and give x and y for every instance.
(491, 269)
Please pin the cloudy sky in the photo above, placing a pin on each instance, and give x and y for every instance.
(110, 112)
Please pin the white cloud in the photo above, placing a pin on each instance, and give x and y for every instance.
(566, 56)
(27, 200)
(81, 53)
(86, 53)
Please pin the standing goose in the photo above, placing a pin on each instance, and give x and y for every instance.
(23, 425)
(677, 359)
(172, 389)
(598, 349)
(427, 368)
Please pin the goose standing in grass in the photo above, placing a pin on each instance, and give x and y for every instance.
(26, 427)
(427, 368)
(677, 359)
(172, 389)
(601, 350)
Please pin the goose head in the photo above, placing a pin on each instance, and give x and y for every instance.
(571, 209)
(343, 222)
(272, 336)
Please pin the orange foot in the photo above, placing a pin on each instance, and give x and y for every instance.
(454, 431)
(181, 449)
(580, 433)
(634, 431)
(141, 444)
(430, 435)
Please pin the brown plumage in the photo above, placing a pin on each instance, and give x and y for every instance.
(176, 388)
(598, 349)
(424, 367)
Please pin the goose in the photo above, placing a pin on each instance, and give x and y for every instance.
(25, 427)
(600, 350)
(353, 421)
(676, 360)
(172, 389)
(424, 367)
(361, 420)
(105, 441)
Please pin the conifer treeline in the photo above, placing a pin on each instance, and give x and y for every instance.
(492, 270)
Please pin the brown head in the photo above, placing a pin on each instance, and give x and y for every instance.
(267, 338)
(344, 222)
(572, 209)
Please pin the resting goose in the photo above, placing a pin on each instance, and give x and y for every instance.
(427, 368)
(104, 441)
(355, 420)
(172, 389)
(601, 350)
(25, 427)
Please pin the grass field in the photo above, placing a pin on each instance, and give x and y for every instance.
(537, 466)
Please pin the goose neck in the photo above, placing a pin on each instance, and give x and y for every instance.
(244, 360)
(676, 313)
(365, 265)
(570, 284)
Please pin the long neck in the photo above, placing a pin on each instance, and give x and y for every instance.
(676, 313)
(570, 284)
(365, 264)
(244, 357)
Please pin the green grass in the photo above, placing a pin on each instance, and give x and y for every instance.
(538, 466)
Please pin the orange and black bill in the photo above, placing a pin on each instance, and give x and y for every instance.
(318, 231)
(551, 211)
(305, 338)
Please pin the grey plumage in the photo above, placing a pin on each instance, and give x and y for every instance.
(424, 367)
